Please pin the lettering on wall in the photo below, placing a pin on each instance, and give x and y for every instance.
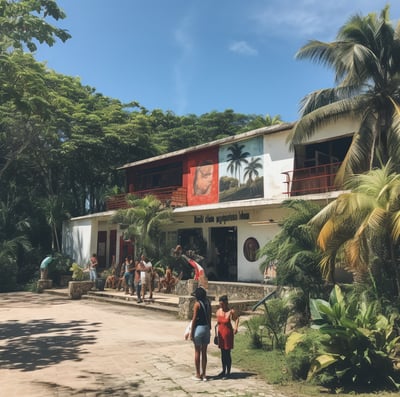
(221, 218)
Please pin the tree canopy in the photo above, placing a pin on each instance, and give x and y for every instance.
(61, 142)
(365, 58)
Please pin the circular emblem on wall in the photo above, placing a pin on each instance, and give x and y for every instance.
(250, 248)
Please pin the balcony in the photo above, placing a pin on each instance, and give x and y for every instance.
(174, 196)
(311, 180)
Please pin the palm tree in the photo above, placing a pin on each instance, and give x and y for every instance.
(366, 61)
(13, 243)
(252, 168)
(360, 230)
(295, 252)
(266, 121)
(144, 218)
(55, 213)
(236, 157)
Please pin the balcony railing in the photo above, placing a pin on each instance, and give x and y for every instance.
(173, 196)
(311, 180)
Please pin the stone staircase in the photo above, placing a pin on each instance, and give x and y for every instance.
(242, 297)
(161, 302)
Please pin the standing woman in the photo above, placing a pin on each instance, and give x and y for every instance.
(226, 333)
(200, 332)
(92, 268)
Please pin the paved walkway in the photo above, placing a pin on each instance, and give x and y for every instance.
(52, 346)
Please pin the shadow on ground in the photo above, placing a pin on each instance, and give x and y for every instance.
(36, 344)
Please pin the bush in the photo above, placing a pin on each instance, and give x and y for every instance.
(78, 272)
(255, 326)
(299, 359)
(360, 347)
(8, 279)
(270, 326)
(60, 266)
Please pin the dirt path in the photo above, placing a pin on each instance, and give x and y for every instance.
(50, 346)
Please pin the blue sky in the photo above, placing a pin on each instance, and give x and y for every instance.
(197, 56)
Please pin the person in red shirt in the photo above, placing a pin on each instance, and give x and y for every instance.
(225, 315)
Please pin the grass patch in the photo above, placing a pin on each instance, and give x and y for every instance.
(271, 365)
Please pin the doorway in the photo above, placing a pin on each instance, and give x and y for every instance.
(224, 252)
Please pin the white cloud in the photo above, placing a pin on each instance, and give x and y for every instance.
(309, 19)
(184, 40)
(243, 48)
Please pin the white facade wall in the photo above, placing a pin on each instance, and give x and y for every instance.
(277, 159)
(77, 239)
(80, 234)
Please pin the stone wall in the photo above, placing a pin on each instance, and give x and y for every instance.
(236, 291)
(78, 288)
(44, 284)
(233, 290)
(242, 296)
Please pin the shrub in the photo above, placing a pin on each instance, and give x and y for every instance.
(78, 272)
(299, 359)
(60, 266)
(360, 347)
(255, 326)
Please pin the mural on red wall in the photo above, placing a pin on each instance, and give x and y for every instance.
(203, 178)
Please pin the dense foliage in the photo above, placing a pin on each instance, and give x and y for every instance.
(365, 58)
(61, 142)
(358, 346)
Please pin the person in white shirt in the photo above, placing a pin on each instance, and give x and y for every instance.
(146, 277)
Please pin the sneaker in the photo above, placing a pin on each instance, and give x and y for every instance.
(204, 378)
(196, 378)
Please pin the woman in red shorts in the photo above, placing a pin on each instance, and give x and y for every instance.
(225, 317)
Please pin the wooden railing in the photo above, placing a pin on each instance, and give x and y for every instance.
(311, 180)
(173, 196)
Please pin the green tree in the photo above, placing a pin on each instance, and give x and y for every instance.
(267, 121)
(295, 252)
(360, 231)
(13, 240)
(22, 22)
(366, 60)
(143, 219)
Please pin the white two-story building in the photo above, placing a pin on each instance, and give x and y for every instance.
(226, 196)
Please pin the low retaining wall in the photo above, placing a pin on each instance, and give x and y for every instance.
(78, 288)
(234, 290)
(242, 296)
(44, 284)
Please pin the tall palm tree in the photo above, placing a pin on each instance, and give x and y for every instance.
(252, 168)
(295, 252)
(366, 60)
(236, 157)
(144, 218)
(361, 230)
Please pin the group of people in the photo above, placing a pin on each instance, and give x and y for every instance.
(139, 277)
(200, 333)
(136, 277)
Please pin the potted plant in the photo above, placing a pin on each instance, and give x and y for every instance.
(80, 284)
(78, 272)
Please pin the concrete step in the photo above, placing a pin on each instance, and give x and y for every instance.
(162, 302)
(148, 304)
(158, 298)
